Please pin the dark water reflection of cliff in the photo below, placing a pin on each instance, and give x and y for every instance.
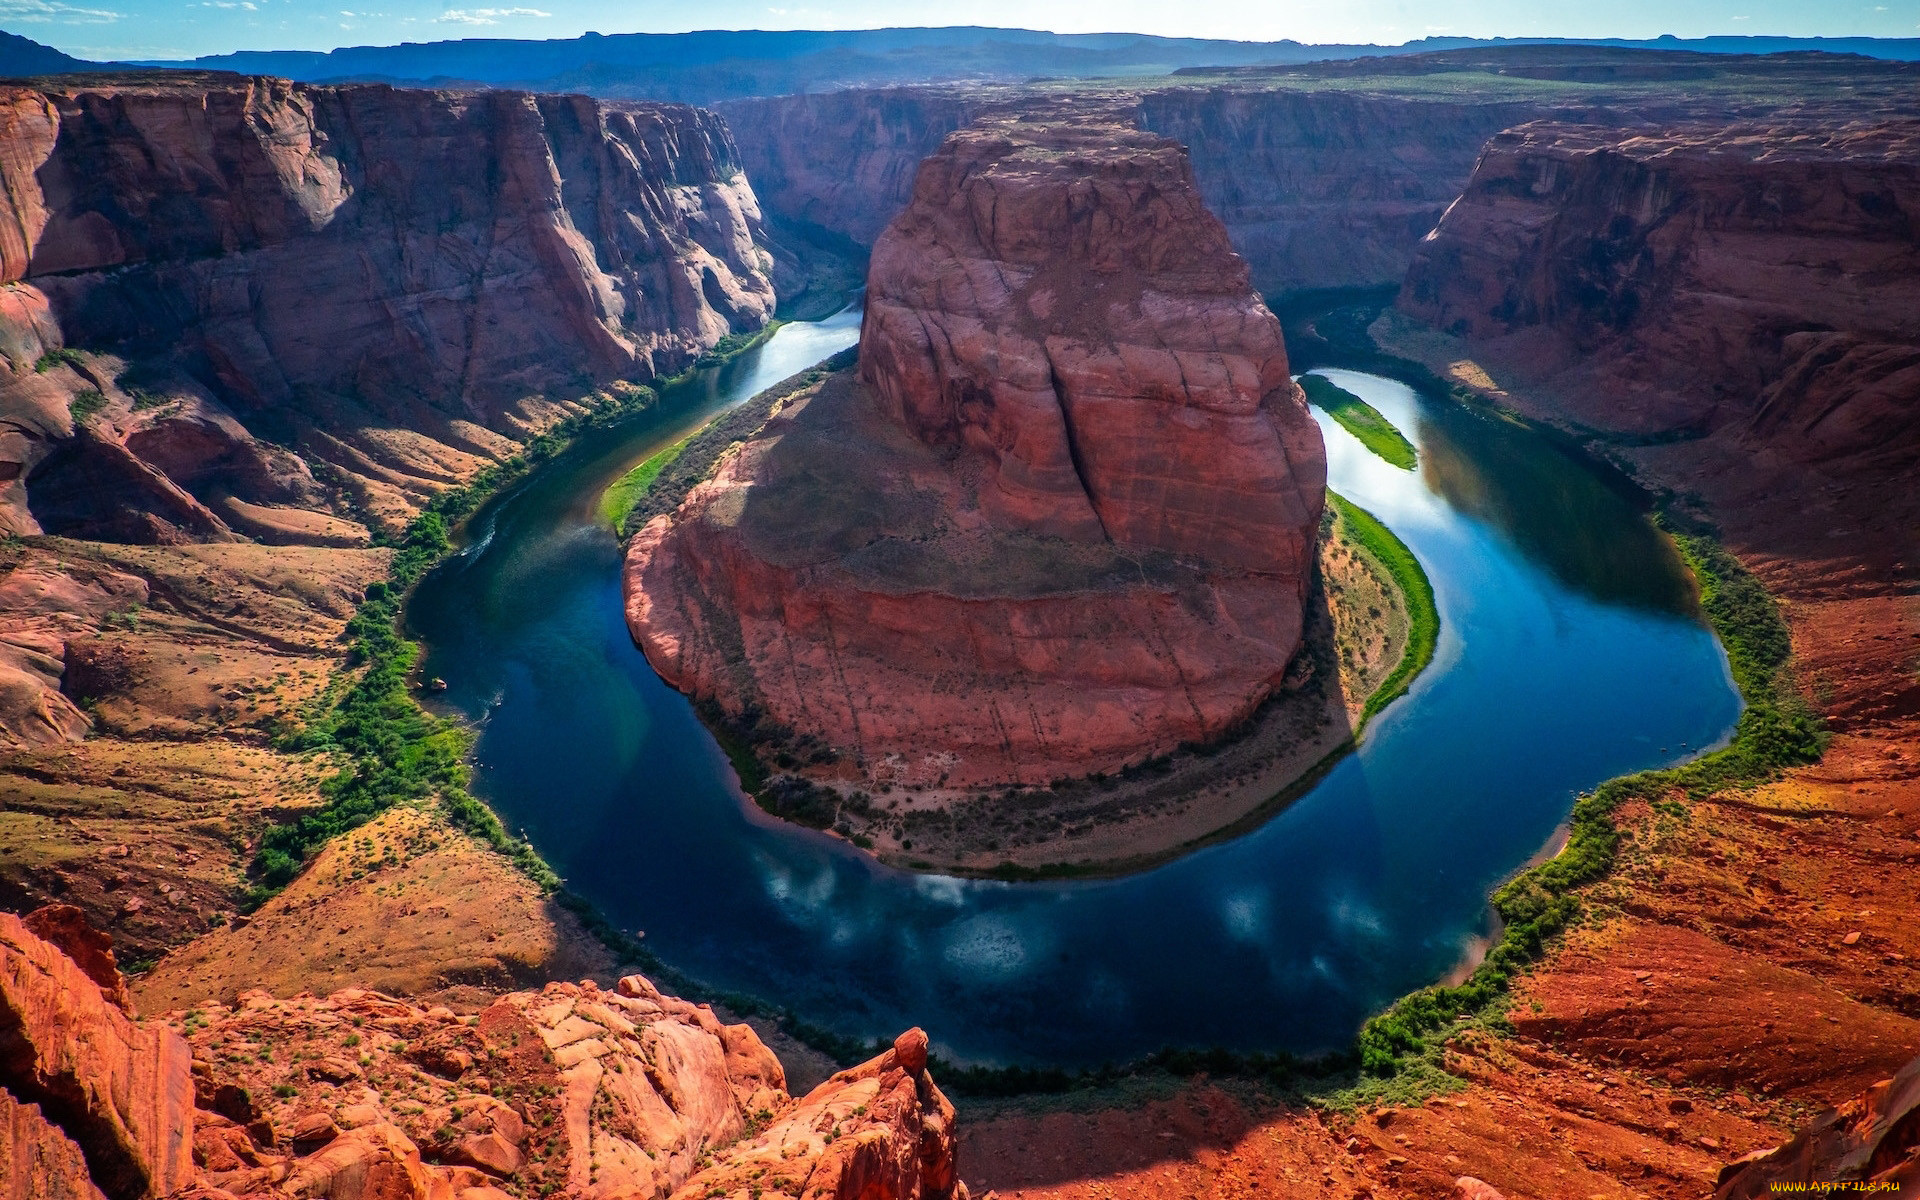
(1566, 656)
(1552, 508)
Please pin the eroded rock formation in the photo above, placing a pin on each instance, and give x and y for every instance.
(395, 282)
(1761, 281)
(77, 1072)
(359, 1096)
(1321, 189)
(1871, 1142)
(1062, 519)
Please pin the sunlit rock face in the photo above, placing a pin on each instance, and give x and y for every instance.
(1061, 518)
(394, 281)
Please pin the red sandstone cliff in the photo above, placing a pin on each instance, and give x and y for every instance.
(1760, 282)
(359, 1096)
(1316, 189)
(1060, 522)
(1871, 1142)
(388, 280)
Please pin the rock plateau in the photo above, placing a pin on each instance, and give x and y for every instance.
(1062, 518)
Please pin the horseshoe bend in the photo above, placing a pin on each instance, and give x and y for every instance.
(1059, 519)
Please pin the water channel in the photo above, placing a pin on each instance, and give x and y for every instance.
(1570, 652)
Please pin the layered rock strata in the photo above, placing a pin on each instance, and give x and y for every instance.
(1317, 189)
(1060, 521)
(1759, 281)
(358, 1096)
(397, 283)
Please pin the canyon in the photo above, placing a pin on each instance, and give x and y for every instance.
(1325, 174)
(394, 284)
(251, 329)
(302, 317)
(1748, 284)
(992, 557)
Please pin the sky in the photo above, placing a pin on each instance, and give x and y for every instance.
(125, 29)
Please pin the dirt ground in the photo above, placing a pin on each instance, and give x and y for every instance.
(140, 687)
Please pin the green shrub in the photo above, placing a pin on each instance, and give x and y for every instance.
(1362, 420)
(65, 355)
(85, 403)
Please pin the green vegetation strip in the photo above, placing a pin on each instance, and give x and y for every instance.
(737, 343)
(1777, 730)
(625, 492)
(396, 752)
(1423, 615)
(694, 459)
(1362, 420)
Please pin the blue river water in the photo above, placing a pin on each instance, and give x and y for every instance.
(1570, 652)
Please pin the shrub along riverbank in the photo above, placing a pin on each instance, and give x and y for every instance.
(395, 751)
(1416, 591)
(1777, 730)
(1362, 420)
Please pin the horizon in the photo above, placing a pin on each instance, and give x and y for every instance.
(124, 30)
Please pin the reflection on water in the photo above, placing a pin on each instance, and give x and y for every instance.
(1556, 669)
(1552, 509)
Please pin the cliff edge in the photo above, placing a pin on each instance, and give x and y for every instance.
(1060, 521)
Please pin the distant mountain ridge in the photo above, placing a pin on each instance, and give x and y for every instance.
(713, 65)
(22, 58)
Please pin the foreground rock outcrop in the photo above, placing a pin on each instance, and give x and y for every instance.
(78, 1077)
(1061, 520)
(397, 283)
(1871, 1142)
(359, 1096)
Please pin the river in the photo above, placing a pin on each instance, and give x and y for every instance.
(1570, 652)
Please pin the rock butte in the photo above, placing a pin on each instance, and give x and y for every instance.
(1062, 519)
(358, 1096)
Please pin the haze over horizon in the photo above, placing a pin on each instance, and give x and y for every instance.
(179, 29)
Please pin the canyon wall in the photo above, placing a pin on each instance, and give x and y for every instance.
(1062, 519)
(1761, 281)
(1326, 189)
(396, 282)
(1317, 189)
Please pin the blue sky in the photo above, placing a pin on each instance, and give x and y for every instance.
(183, 28)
